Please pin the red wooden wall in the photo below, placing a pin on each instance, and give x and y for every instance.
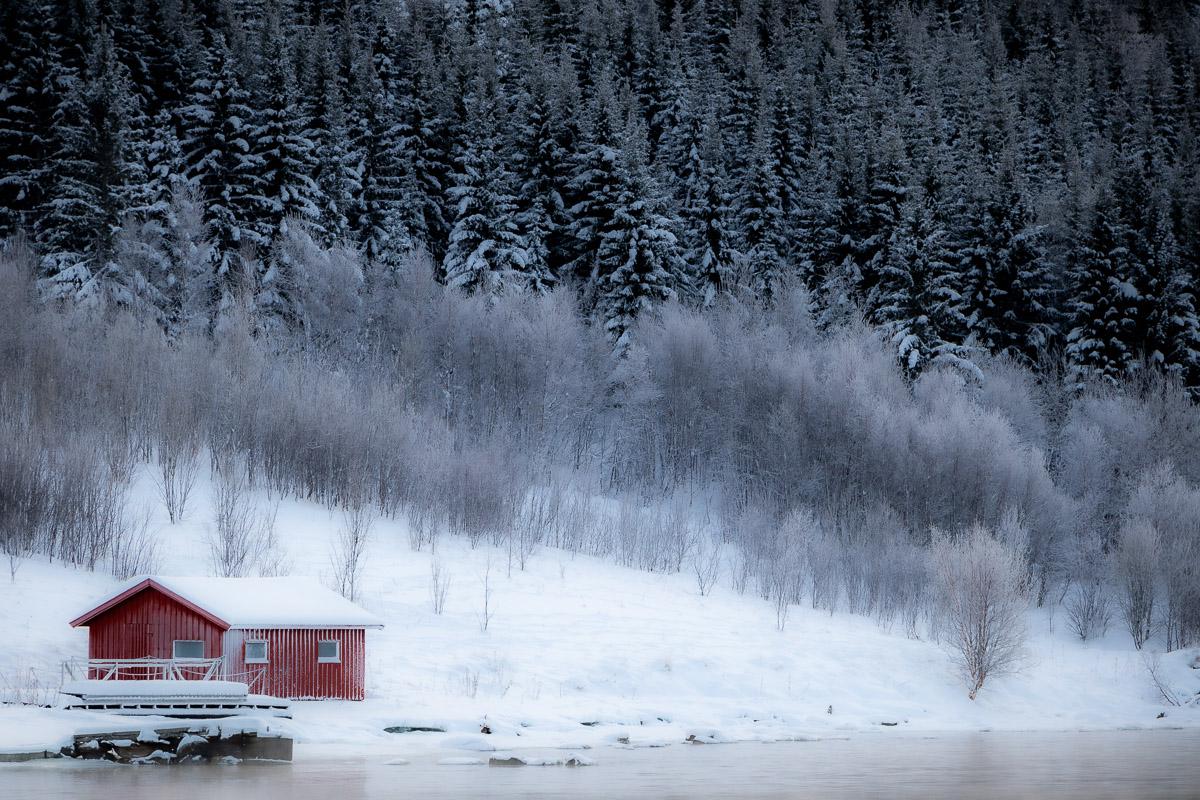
(146, 625)
(293, 670)
(149, 622)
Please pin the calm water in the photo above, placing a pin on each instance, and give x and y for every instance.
(1133, 764)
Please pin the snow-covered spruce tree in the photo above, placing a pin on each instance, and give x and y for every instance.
(638, 263)
(423, 193)
(882, 213)
(378, 210)
(283, 148)
(485, 252)
(915, 300)
(745, 112)
(711, 260)
(543, 165)
(761, 221)
(594, 185)
(1173, 319)
(690, 166)
(287, 161)
(162, 36)
(1105, 302)
(789, 157)
(184, 255)
(170, 251)
(1008, 290)
(92, 183)
(28, 100)
(334, 169)
(224, 166)
(830, 269)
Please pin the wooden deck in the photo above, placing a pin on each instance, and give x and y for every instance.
(189, 689)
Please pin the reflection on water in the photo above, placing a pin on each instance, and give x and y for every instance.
(1125, 764)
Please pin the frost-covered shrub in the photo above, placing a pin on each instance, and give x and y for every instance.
(980, 603)
(1137, 562)
(1088, 610)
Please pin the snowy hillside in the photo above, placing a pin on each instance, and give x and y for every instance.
(573, 641)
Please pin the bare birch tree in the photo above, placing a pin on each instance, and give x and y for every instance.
(982, 604)
(349, 550)
(1136, 564)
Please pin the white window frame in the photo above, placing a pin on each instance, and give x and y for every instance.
(266, 657)
(336, 658)
(175, 649)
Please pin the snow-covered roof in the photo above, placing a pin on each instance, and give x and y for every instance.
(291, 602)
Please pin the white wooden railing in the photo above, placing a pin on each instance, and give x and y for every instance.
(169, 669)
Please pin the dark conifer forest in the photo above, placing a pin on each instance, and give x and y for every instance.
(1013, 177)
(835, 277)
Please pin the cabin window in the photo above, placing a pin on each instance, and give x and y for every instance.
(329, 651)
(256, 652)
(187, 648)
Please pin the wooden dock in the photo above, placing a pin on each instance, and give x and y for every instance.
(189, 699)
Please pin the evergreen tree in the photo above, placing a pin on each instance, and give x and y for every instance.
(711, 257)
(542, 163)
(424, 172)
(886, 194)
(1172, 316)
(485, 252)
(1104, 303)
(594, 186)
(333, 165)
(283, 150)
(788, 155)
(378, 219)
(1008, 289)
(164, 43)
(225, 168)
(916, 303)
(92, 182)
(638, 262)
(30, 79)
(762, 221)
(159, 207)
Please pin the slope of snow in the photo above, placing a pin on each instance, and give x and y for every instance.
(580, 653)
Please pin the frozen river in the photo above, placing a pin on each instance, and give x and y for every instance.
(1122, 764)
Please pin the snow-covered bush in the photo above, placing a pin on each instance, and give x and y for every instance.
(1088, 610)
(1089, 599)
(980, 615)
(1137, 562)
(1173, 508)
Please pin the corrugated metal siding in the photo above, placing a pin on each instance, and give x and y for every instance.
(146, 625)
(293, 671)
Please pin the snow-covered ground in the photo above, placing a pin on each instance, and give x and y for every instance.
(581, 653)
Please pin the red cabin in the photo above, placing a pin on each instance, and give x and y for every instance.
(287, 637)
